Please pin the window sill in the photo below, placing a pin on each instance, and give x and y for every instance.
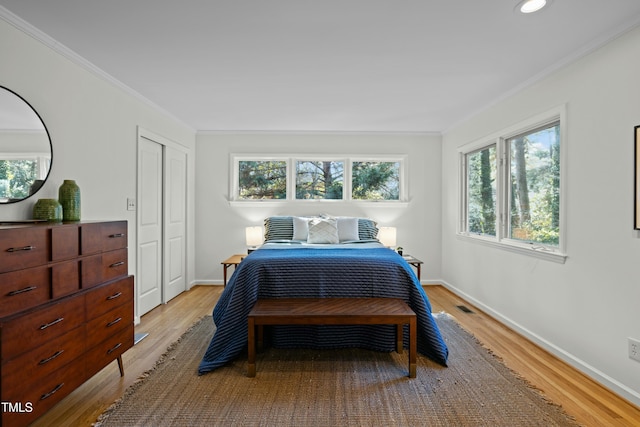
(280, 202)
(529, 250)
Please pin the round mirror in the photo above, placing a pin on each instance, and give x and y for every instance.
(25, 148)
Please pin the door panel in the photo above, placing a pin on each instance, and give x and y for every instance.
(175, 222)
(150, 225)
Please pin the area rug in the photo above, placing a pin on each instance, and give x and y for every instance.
(348, 387)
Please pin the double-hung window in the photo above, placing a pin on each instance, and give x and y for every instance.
(510, 192)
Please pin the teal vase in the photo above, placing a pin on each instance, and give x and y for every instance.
(69, 198)
(48, 210)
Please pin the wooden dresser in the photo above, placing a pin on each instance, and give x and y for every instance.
(66, 311)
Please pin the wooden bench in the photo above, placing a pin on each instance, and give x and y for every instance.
(332, 311)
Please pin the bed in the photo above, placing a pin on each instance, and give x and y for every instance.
(351, 264)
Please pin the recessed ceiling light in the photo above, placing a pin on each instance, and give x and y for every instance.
(530, 6)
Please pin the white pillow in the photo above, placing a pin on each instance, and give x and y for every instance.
(300, 228)
(323, 230)
(348, 229)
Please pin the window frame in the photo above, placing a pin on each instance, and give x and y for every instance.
(502, 239)
(291, 162)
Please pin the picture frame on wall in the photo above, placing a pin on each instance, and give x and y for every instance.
(636, 186)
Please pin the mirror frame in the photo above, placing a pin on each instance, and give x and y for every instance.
(50, 147)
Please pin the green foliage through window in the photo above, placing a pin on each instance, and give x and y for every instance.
(375, 180)
(16, 177)
(535, 185)
(481, 191)
(319, 180)
(260, 180)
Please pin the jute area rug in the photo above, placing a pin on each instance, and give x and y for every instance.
(349, 387)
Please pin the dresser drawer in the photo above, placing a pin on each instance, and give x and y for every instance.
(65, 242)
(107, 351)
(23, 248)
(43, 360)
(65, 278)
(104, 236)
(101, 328)
(115, 264)
(34, 328)
(23, 289)
(106, 297)
(43, 394)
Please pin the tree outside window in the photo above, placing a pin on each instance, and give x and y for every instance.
(535, 185)
(481, 191)
(262, 179)
(16, 177)
(375, 180)
(319, 180)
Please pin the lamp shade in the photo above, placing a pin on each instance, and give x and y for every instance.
(253, 236)
(387, 236)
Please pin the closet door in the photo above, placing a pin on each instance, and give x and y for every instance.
(175, 222)
(150, 223)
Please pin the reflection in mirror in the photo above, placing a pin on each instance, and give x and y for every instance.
(25, 148)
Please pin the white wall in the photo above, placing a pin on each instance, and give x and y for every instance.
(585, 309)
(93, 127)
(221, 226)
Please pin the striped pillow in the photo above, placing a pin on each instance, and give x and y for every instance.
(278, 228)
(367, 229)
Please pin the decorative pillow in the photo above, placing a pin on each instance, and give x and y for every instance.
(367, 229)
(323, 230)
(278, 228)
(348, 229)
(300, 228)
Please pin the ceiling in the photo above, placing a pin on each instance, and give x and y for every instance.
(323, 65)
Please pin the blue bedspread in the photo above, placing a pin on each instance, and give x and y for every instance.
(320, 273)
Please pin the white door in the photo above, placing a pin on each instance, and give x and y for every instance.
(175, 222)
(150, 238)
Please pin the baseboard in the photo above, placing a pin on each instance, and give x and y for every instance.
(577, 363)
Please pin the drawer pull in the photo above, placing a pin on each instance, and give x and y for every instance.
(116, 264)
(24, 248)
(114, 348)
(47, 395)
(113, 236)
(21, 291)
(50, 358)
(46, 325)
(114, 296)
(113, 322)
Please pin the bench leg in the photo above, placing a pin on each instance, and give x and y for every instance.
(251, 363)
(413, 345)
(399, 338)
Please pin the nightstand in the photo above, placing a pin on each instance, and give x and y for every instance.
(414, 262)
(232, 260)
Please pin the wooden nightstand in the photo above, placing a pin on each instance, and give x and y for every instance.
(415, 262)
(232, 260)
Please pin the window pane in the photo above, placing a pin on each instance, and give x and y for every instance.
(262, 180)
(319, 180)
(16, 177)
(375, 180)
(481, 191)
(535, 186)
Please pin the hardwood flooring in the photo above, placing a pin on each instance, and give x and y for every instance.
(590, 403)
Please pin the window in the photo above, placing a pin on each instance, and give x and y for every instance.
(375, 181)
(319, 180)
(511, 188)
(311, 177)
(262, 179)
(481, 191)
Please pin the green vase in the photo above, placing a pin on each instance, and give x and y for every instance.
(69, 198)
(48, 209)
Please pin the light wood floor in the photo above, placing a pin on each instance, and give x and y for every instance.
(588, 402)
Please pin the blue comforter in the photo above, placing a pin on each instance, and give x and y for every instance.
(320, 273)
